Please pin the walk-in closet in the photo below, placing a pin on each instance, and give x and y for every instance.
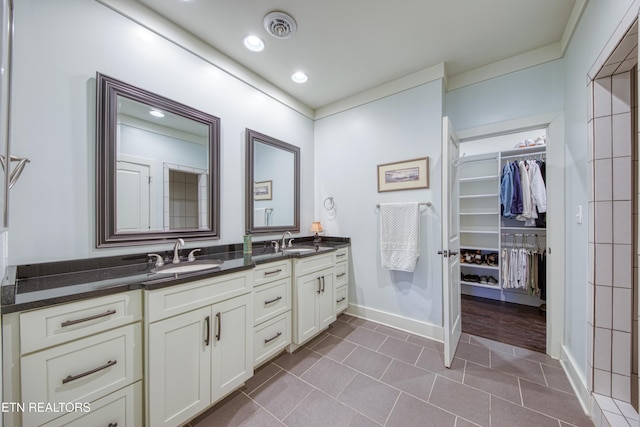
(503, 232)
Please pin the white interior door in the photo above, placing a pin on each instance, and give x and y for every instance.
(450, 242)
(132, 212)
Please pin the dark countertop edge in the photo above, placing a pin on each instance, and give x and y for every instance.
(8, 284)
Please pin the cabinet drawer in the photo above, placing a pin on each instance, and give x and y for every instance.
(62, 323)
(178, 299)
(266, 273)
(271, 337)
(313, 263)
(342, 255)
(81, 371)
(342, 300)
(271, 300)
(122, 408)
(341, 274)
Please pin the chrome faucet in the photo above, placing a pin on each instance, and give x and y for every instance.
(284, 242)
(176, 246)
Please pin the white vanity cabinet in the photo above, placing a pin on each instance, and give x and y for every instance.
(314, 296)
(272, 309)
(342, 279)
(199, 345)
(85, 354)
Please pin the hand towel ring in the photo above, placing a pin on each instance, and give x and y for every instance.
(329, 204)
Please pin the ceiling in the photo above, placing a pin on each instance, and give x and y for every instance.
(350, 46)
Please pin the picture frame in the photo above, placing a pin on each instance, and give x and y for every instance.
(404, 175)
(262, 190)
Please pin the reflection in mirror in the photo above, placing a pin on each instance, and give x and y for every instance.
(158, 172)
(273, 182)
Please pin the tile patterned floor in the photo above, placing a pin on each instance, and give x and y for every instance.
(359, 373)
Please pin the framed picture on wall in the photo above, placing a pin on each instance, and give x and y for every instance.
(262, 190)
(405, 175)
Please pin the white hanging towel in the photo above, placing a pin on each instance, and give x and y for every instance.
(400, 235)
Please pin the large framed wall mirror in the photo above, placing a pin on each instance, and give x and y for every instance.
(158, 171)
(272, 185)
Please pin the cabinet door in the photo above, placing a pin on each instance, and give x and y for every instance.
(306, 310)
(326, 299)
(232, 341)
(179, 375)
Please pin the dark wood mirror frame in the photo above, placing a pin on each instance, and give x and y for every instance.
(252, 137)
(108, 90)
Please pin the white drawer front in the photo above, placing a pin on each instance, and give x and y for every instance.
(81, 371)
(342, 299)
(341, 274)
(178, 299)
(122, 408)
(271, 300)
(62, 323)
(271, 337)
(342, 255)
(313, 263)
(265, 273)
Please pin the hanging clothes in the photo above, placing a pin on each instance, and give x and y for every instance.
(506, 191)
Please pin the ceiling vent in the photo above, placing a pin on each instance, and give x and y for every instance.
(279, 25)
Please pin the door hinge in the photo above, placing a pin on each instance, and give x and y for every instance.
(444, 253)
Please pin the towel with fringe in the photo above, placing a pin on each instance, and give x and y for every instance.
(400, 235)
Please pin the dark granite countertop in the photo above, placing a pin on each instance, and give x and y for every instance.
(38, 285)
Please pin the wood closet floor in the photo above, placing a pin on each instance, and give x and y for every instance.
(515, 324)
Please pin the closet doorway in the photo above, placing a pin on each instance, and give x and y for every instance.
(508, 291)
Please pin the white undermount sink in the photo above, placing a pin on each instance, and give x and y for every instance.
(298, 250)
(188, 267)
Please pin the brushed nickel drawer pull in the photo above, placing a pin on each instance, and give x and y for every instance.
(319, 286)
(266, 273)
(93, 371)
(340, 255)
(341, 299)
(219, 326)
(340, 275)
(207, 338)
(86, 319)
(323, 284)
(276, 299)
(267, 341)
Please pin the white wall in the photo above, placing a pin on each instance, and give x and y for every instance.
(349, 146)
(58, 48)
(530, 92)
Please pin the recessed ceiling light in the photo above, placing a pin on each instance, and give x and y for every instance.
(156, 113)
(299, 77)
(253, 43)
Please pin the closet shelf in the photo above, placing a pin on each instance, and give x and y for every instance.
(488, 267)
(480, 231)
(479, 178)
(479, 248)
(481, 285)
(479, 213)
(523, 228)
(479, 196)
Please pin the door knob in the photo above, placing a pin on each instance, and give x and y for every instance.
(453, 253)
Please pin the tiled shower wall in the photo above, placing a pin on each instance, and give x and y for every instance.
(612, 239)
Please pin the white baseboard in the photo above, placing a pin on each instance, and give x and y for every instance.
(422, 329)
(577, 381)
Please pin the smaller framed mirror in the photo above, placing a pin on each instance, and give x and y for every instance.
(158, 171)
(272, 185)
